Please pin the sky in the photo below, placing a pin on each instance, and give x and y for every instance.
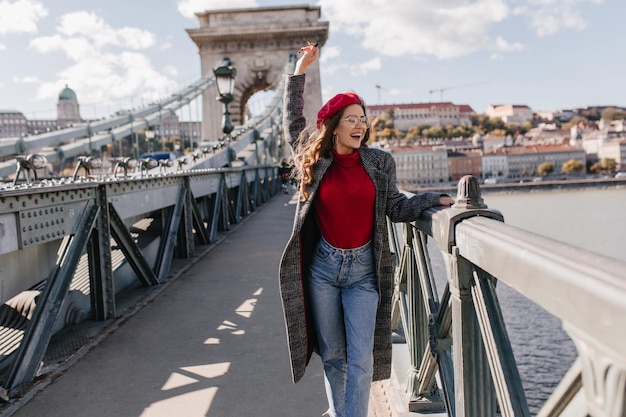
(546, 54)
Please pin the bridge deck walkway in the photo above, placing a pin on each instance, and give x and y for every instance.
(212, 343)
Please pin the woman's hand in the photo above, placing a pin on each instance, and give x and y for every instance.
(308, 55)
(446, 200)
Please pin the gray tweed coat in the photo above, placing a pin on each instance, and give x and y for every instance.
(294, 265)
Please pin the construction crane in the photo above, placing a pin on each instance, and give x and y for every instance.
(379, 88)
(441, 90)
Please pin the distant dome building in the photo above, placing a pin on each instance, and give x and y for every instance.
(68, 111)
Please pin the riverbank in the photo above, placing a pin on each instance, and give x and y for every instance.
(537, 186)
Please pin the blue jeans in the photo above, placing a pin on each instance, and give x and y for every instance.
(344, 299)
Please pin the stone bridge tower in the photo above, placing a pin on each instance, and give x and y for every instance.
(258, 42)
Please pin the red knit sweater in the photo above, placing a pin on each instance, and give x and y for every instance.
(345, 203)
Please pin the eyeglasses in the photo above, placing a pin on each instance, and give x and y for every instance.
(354, 121)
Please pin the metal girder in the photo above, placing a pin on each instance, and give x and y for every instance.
(542, 270)
(564, 395)
(243, 198)
(101, 282)
(37, 336)
(184, 237)
(131, 251)
(417, 303)
(239, 200)
(168, 238)
(445, 364)
(474, 394)
(255, 192)
(220, 209)
(502, 363)
(214, 218)
(198, 223)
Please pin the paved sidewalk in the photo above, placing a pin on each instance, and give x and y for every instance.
(211, 344)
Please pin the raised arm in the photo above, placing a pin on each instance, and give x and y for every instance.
(308, 54)
(294, 121)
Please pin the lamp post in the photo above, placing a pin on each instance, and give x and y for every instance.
(150, 135)
(225, 82)
(134, 141)
(90, 133)
(160, 130)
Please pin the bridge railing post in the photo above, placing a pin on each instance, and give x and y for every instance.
(416, 296)
(464, 329)
(474, 393)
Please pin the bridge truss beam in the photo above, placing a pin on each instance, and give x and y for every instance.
(117, 236)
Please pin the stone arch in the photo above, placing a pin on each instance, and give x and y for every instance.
(249, 92)
(258, 43)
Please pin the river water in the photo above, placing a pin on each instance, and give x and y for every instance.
(593, 219)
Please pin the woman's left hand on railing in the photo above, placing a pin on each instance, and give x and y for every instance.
(446, 200)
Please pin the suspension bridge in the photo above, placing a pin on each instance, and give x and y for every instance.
(152, 290)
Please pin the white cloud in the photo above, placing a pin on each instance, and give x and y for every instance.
(20, 16)
(90, 26)
(27, 80)
(417, 27)
(334, 68)
(329, 52)
(365, 67)
(501, 44)
(188, 8)
(550, 16)
(447, 29)
(105, 62)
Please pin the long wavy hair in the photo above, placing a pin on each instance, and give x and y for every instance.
(313, 143)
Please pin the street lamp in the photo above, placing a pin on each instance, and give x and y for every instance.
(90, 133)
(225, 82)
(150, 135)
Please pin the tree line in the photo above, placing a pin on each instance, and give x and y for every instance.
(384, 128)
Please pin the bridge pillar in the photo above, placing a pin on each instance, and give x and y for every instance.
(258, 42)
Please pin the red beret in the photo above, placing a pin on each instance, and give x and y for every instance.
(335, 104)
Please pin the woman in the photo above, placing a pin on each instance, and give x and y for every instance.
(336, 273)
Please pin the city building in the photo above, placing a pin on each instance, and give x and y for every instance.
(561, 115)
(406, 116)
(68, 110)
(461, 163)
(191, 130)
(173, 128)
(495, 164)
(36, 126)
(15, 124)
(524, 161)
(12, 124)
(614, 149)
(419, 166)
(494, 141)
(510, 113)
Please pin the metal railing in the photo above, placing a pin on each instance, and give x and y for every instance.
(108, 237)
(72, 249)
(80, 139)
(462, 337)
